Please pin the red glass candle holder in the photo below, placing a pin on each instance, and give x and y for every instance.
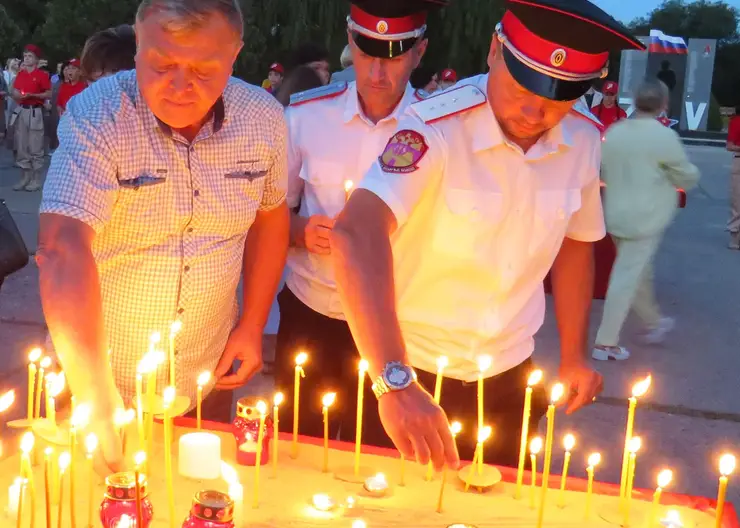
(211, 509)
(245, 428)
(120, 500)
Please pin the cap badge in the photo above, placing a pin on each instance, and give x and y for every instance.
(403, 152)
(382, 27)
(558, 57)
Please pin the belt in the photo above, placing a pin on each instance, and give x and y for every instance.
(31, 107)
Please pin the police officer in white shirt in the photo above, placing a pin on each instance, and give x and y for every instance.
(335, 134)
(482, 191)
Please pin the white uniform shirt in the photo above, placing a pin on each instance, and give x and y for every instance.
(330, 142)
(479, 226)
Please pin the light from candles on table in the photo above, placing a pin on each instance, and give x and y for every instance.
(477, 465)
(139, 461)
(359, 523)
(175, 328)
(91, 444)
(534, 378)
(664, 479)
(361, 373)
(169, 398)
(65, 459)
(54, 386)
(33, 356)
(594, 460)
(726, 467)
(323, 502)
(672, 520)
(484, 363)
(300, 360)
(377, 485)
(80, 419)
(236, 492)
(639, 390)
(569, 442)
(455, 429)
(203, 380)
(125, 522)
(6, 400)
(535, 446)
(262, 410)
(327, 401)
(348, 187)
(48, 452)
(44, 365)
(277, 400)
(557, 392)
(27, 443)
(634, 446)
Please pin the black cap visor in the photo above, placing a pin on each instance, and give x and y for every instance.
(383, 49)
(541, 84)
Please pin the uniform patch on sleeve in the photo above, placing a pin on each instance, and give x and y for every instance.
(403, 152)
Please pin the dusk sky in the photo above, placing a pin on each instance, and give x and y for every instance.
(626, 10)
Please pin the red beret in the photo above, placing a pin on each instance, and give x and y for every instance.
(277, 67)
(33, 49)
(74, 62)
(449, 75)
(611, 88)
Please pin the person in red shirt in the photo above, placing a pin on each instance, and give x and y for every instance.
(71, 86)
(608, 111)
(32, 87)
(447, 78)
(275, 77)
(733, 145)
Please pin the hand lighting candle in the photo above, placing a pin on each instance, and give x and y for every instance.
(664, 479)
(593, 460)
(262, 410)
(726, 467)
(174, 330)
(327, 401)
(569, 442)
(638, 391)
(484, 363)
(276, 401)
(535, 446)
(634, 447)
(534, 378)
(362, 372)
(169, 398)
(44, 365)
(300, 360)
(557, 392)
(455, 429)
(203, 380)
(91, 444)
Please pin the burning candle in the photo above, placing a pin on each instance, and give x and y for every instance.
(140, 403)
(455, 429)
(65, 460)
(17, 491)
(376, 486)
(276, 401)
(362, 372)
(348, 186)
(442, 363)
(203, 380)
(44, 365)
(300, 360)
(569, 442)
(323, 502)
(236, 492)
(327, 401)
(169, 398)
(593, 460)
(477, 465)
(484, 363)
(54, 387)
(535, 446)
(80, 419)
(262, 409)
(664, 479)
(534, 378)
(638, 391)
(555, 395)
(33, 357)
(634, 447)
(174, 330)
(153, 362)
(139, 461)
(47, 485)
(726, 467)
(672, 520)
(27, 442)
(91, 444)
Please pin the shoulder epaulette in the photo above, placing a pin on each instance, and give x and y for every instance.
(317, 94)
(582, 112)
(421, 94)
(449, 103)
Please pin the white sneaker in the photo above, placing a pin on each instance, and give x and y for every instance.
(657, 334)
(613, 353)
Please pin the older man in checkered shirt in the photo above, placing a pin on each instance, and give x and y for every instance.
(169, 181)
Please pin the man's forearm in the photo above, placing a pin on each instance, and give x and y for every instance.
(264, 259)
(297, 230)
(572, 289)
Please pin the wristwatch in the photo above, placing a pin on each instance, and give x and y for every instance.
(395, 377)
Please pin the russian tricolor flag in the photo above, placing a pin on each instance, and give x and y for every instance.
(662, 43)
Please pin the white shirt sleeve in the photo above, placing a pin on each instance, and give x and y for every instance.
(295, 161)
(587, 224)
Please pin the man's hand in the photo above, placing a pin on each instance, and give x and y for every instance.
(244, 344)
(582, 385)
(109, 456)
(317, 232)
(418, 427)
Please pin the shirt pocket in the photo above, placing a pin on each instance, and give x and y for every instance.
(466, 223)
(144, 206)
(244, 186)
(553, 211)
(324, 186)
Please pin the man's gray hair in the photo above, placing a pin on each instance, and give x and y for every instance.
(187, 15)
(346, 58)
(652, 97)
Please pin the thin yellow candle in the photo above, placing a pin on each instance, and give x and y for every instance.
(442, 363)
(276, 401)
(473, 465)
(27, 442)
(726, 467)
(348, 186)
(64, 462)
(80, 419)
(54, 387)
(6, 400)
(203, 380)
(638, 391)
(153, 362)
(455, 429)
(262, 409)
(664, 479)
(33, 357)
(174, 330)
(47, 484)
(362, 372)
(484, 363)
(555, 395)
(91, 444)
(44, 365)
(300, 360)
(593, 460)
(535, 446)
(477, 464)
(140, 406)
(569, 442)
(327, 401)
(139, 461)
(534, 378)
(634, 447)
(21, 483)
(169, 397)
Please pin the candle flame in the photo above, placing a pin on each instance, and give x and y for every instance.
(594, 459)
(228, 473)
(155, 338)
(48, 451)
(81, 416)
(329, 399)
(672, 519)
(484, 363)
(322, 502)
(569, 442)
(6, 400)
(125, 522)
(123, 417)
(301, 359)
(535, 445)
(359, 523)
(140, 458)
(380, 478)
(634, 445)
(27, 441)
(169, 395)
(557, 392)
(348, 185)
(56, 383)
(442, 363)
(158, 357)
(641, 387)
(727, 465)
(204, 378)
(484, 434)
(534, 378)
(175, 327)
(278, 399)
(664, 478)
(261, 408)
(455, 428)
(364, 366)
(34, 355)
(146, 365)
(45, 362)
(64, 460)
(91, 443)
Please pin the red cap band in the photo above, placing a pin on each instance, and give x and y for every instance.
(75, 63)
(33, 49)
(387, 26)
(548, 53)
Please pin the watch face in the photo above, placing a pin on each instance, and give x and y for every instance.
(398, 376)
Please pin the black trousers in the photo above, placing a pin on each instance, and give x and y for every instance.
(333, 366)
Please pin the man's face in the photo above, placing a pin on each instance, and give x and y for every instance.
(521, 114)
(30, 60)
(73, 73)
(181, 75)
(432, 85)
(383, 81)
(275, 78)
(322, 68)
(610, 100)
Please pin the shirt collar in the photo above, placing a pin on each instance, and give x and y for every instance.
(353, 109)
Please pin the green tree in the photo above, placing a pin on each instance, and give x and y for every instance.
(28, 15)
(10, 35)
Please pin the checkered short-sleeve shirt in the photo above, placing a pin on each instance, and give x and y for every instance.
(170, 217)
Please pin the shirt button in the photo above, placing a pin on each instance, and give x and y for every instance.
(180, 310)
(187, 268)
(190, 229)
(196, 192)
